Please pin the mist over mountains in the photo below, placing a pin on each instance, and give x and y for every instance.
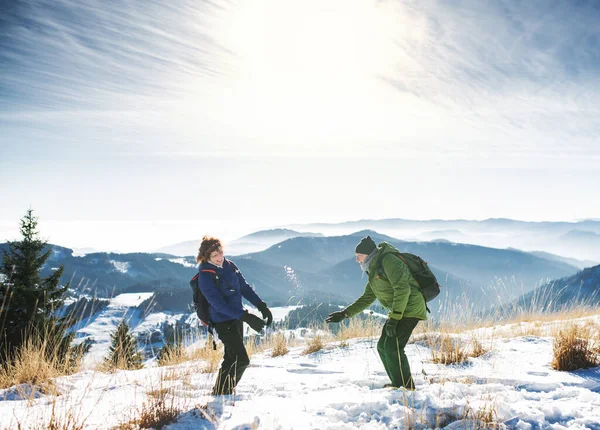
(581, 289)
(293, 267)
(250, 243)
(288, 267)
(579, 240)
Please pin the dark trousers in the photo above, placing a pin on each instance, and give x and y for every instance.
(391, 352)
(235, 359)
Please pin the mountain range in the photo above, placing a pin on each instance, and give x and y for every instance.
(578, 240)
(253, 242)
(317, 268)
(579, 290)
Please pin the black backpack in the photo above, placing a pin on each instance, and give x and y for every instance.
(428, 284)
(201, 304)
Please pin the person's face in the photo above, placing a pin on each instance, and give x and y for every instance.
(360, 258)
(217, 257)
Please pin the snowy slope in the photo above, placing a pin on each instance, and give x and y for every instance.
(341, 388)
(102, 325)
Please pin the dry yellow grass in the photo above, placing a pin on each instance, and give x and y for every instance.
(35, 363)
(359, 328)
(254, 345)
(313, 344)
(171, 354)
(209, 355)
(477, 349)
(575, 347)
(482, 417)
(450, 348)
(446, 349)
(119, 363)
(158, 411)
(279, 344)
(162, 406)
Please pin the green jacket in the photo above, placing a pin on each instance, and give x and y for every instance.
(399, 292)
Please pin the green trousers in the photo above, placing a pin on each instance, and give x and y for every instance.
(391, 352)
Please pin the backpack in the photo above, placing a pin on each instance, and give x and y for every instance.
(201, 304)
(420, 271)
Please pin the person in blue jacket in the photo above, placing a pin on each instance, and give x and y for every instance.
(223, 285)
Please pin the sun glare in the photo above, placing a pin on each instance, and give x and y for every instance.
(310, 60)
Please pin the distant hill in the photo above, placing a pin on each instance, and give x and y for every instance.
(476, 263)
(263, 239)
(253, 242)
(474, 272)
(583, 288)
(494, 233)
(310, 269)
(580, 264)
(275, 234)
(181, 249)
(491, 225)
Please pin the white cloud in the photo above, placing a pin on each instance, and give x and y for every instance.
(112, 94)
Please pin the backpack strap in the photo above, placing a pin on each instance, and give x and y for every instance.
(235, 268)
(210, 327)
(214, 275)
(381, 274)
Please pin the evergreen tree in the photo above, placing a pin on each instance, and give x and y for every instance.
(123, 352)
(27, 299)
(172, 350)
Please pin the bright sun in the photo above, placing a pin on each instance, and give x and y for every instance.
(312, 59)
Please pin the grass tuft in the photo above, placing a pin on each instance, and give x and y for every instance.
(575, 348)
(280, 345)
(209, 355)
(313, 344)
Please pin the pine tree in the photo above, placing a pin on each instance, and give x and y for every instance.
(123, 352)
(28, 300)
(172, 351)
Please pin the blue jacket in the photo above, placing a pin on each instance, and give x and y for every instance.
(225, 300)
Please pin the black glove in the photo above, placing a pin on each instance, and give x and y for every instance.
(253, 321)
(266, 313)
(391, 327)
(336, 317)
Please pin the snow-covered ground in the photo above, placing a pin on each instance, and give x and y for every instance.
(341, 387)
(102, 325)
(183, 261)
(124, 306)
(279, 313)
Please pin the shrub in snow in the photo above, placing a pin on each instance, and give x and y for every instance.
(574, 348)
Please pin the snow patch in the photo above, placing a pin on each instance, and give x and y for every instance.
(120, 266)
(183, 261)
(129, 299)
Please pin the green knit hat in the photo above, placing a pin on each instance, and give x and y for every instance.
(366, 246)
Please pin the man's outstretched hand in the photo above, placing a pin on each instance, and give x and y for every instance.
(336, 317)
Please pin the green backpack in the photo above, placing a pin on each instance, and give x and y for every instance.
(428, 284)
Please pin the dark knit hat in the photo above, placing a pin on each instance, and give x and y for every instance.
(366, 246)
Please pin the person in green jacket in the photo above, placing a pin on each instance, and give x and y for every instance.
(397, 291)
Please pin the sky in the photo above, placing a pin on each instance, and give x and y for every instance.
(133, 125)
(337, 387)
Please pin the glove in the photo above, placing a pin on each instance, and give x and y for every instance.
(266, 313)
(391, 327)
(336, 317)
(253, 321)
